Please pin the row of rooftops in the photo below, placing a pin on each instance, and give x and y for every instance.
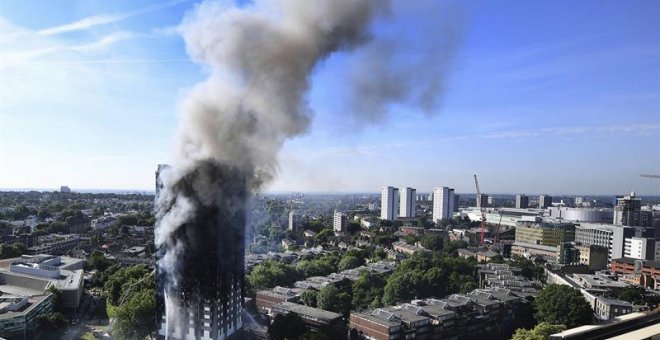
(288, 256)
(507, 277)
(420, 312)
(318, 282)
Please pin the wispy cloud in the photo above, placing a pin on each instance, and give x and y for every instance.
(105, 41)
(85, 23)
(103, 19)
(629, 130)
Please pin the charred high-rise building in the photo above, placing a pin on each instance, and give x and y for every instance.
(200, 264)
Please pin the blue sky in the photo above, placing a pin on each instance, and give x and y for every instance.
(556, 96)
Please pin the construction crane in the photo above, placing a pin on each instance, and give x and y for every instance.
(650, 176)
(482, 227)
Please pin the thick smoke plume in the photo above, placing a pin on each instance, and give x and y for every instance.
(260, 59)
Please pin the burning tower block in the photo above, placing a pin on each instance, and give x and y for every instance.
(200, 264)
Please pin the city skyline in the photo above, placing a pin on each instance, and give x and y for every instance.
(109, 78)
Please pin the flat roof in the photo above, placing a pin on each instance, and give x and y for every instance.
(379, 320)
(306, 310)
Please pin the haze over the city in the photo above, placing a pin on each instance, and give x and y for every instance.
(556, 97)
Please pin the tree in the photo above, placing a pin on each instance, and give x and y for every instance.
(131, 302)
(563, 305)
(98, 261)
(57, 298)
(497, 259)
(12, 250)
(330, 298)
(528, 268)
(308, 297)
(367, 288)
(542, 331)
(349, 262)
(136, 317)
(269, 274)
(432, 242)
(286, 326)
(52, 322)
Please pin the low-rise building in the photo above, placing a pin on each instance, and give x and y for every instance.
(593, 256)
(314, 318)
(607, 309)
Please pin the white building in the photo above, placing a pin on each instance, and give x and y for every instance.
(407, 203)
(340, 222)
(604, 235)
(443, 203)
(522, 201)
(294, 220)
(578, 200)
(640, 248)
(389, 203)
(545, 201)
(599, 215)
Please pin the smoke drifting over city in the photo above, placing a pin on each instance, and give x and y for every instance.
(260, 61)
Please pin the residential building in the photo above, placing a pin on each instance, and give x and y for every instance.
(443, 203)
(294, 220)
(56, 245)
(265, 299)
(605, 235)
(606, 309)
(314, 318)
(206, 302)
(577, 201)
(627, 211)
(407, 203)
(389, 203)
(545, 201)
(640, 248)
(522, 201)
(340, 222)
(65, 189)
(491, 201)
(482, 200)
(647, 271)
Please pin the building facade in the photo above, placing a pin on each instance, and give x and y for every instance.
(482, 201)
(443, 203)
(627, 211)
(543, 233)
(340, 222)
(294, 220)
(389, 203)
(545, 201)
(407, 203)
(522, 201)
(206, 301)
(640, 248)
(604, 235)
